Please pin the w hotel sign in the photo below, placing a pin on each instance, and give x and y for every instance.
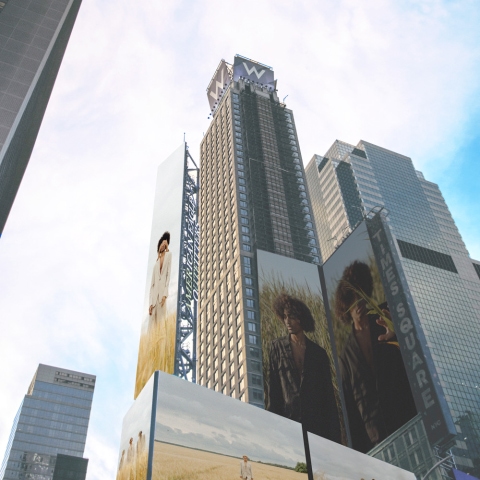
(253, 71)
(220, 81)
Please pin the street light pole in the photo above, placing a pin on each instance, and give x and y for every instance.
(436, 465)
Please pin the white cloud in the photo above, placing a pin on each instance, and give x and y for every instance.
(73, 255)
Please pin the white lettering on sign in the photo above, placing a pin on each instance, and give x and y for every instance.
(253, 69)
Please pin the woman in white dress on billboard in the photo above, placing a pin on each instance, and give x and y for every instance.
(160, 280)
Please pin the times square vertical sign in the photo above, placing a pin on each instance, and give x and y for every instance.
(185, 355)
(423, 378)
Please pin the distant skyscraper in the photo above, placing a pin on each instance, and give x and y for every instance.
(48, 436)
(33, 38)
(252, 196)
(346, 183)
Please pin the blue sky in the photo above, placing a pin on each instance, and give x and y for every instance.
(73, 256)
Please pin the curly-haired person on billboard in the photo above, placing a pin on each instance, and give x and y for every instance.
(160, 280)
(377, 394)
(300, 384)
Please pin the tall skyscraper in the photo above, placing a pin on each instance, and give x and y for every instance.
(50, 429)
(345, 184)
(33, 38)
(252, 196)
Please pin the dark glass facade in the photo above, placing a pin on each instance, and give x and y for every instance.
(70, 468)
(33, 38)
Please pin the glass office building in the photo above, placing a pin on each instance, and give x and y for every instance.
(253, 195)
(50, 430)
(345, 184)
(33, 38)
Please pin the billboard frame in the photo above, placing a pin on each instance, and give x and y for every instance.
(187, 297)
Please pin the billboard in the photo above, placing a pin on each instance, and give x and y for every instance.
(386, 373)
(298, 368)
(330, 461)
(136, 442)
(219, 82)
(202, 434)
(177, 429)
(159, 317)
(253, 71)
(377, 395)
(426, 388)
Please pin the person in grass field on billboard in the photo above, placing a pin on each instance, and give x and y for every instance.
(245, 469)
(300, 383)
(160, 280)
(377, 393)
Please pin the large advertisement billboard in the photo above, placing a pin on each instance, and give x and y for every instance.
(179, 430)
(298, 368)
(426, 388)
(384, 367)
(136, 442)
(158, 331)
(330, 461)
(378, 398)
(202, 434)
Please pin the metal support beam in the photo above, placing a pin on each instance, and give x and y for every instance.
(186, 334)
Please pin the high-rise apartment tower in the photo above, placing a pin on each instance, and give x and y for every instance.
(33, 38)
(50, 429)
(345, 184)
(253, 195)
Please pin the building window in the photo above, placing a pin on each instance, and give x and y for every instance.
(252, 327)
(253, 339)
(254, 352)
(257, 395)
(250, 315)
(250, 303)
(246, 247)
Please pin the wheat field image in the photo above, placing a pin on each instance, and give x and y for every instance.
(134, 470)
(156, 351)
(173, 462)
